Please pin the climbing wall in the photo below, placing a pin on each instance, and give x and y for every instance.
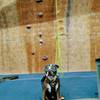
(95, 32)
(12, 52)
(34, 33)
(40, 43)
(76, 50)
(27, 35)
(60, 32)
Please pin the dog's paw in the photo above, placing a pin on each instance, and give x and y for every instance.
(61, 98)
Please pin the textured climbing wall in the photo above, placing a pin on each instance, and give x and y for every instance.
(95, 32)
(45, 53)
(42, 51)
(76, 47)
(53, 31)
(12, 51)
(27, 35)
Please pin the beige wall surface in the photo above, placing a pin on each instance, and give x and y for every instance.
(68, 33)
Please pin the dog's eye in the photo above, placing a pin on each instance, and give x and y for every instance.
(46, 72)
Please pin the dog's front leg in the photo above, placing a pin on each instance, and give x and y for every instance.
(45, 87)
(58, 91)
(43, 91)
(58, 94)
(43, 95)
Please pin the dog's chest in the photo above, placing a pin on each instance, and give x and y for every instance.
(53, 84)
(52, 87)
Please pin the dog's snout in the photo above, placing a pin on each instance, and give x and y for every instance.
(50, 73)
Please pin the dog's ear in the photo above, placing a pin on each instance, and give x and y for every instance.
(56, 66)
(45, 68)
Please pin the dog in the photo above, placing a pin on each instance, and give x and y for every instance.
(51, 83)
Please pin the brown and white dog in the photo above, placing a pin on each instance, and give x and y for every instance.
(51, 83)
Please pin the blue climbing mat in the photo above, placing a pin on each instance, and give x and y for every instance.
(74, 85)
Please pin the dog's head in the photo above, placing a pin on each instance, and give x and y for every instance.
(51, 71)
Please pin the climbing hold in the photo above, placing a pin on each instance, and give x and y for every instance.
(40, 14)
(38, 1)
(28, 26)
(41, 41)
(33, 53)
(40, 34)
(45, 58)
